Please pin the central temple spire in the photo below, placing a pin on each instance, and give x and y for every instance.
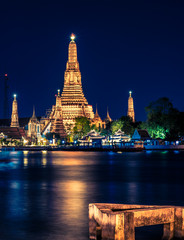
(72, 66)
(74, 103)
(72, 50)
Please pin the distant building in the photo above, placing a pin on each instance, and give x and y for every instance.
(120, 136)
(140, 135)
(93, 138)
(97, 121)
(34, 127)
(131, 112)
(13, 132)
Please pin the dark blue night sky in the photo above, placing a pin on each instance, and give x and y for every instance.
(122, 46)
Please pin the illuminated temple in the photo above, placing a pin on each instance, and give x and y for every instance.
(71, 103)
(74, 103)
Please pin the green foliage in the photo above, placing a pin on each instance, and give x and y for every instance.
(82, 127)
(128, 126)
(125, 124)
(155, 131)
(162, 119)
(116, 125)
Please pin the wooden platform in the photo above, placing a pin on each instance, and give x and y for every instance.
(118, 221)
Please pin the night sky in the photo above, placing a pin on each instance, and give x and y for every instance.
(122, 46)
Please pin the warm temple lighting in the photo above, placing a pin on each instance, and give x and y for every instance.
(15, 95)
(72, 37)
(44, 151)
(130, 92)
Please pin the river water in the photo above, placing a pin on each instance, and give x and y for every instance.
(45, 195)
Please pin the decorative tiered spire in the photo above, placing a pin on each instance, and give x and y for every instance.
(58, 118)
(108, 118)
(34, 115)
(131, 112)
(74, 103)
(14, 116)
(96, 114)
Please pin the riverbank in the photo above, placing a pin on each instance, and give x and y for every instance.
(73, 148)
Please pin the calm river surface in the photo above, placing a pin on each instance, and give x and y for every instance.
(45, 196)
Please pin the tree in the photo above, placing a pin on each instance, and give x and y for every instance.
(128, 125)
(161, 119)
(82, 127)
(116, 125)
(125, 124)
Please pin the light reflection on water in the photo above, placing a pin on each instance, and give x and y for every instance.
(45, 195)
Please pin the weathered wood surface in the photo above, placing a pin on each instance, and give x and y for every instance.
(118, 221)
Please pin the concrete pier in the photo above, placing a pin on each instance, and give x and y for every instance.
(118, 221)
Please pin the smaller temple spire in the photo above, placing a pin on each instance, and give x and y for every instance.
(57, 123)
(96, 114)
(108, 116)
(131, 112)
(34, 115)
(14, 116)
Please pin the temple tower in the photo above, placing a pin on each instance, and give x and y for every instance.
(57, 123)
(131, 112)
(97, 121)
(108, 118)
(14, 116)
(74, 103)
(33, 126)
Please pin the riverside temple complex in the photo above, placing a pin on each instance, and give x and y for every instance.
(71, 103)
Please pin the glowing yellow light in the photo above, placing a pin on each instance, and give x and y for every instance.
(44, 151)
(25, 152)
(44, 161)
(25, 161)
(72, 37)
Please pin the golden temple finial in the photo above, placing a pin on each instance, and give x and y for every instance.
(58, 92)
(15, 96)
(72, 37)
(130, 93)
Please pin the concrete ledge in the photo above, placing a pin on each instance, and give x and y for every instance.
(118, 221)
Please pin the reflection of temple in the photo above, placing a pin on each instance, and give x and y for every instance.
(74, 103)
